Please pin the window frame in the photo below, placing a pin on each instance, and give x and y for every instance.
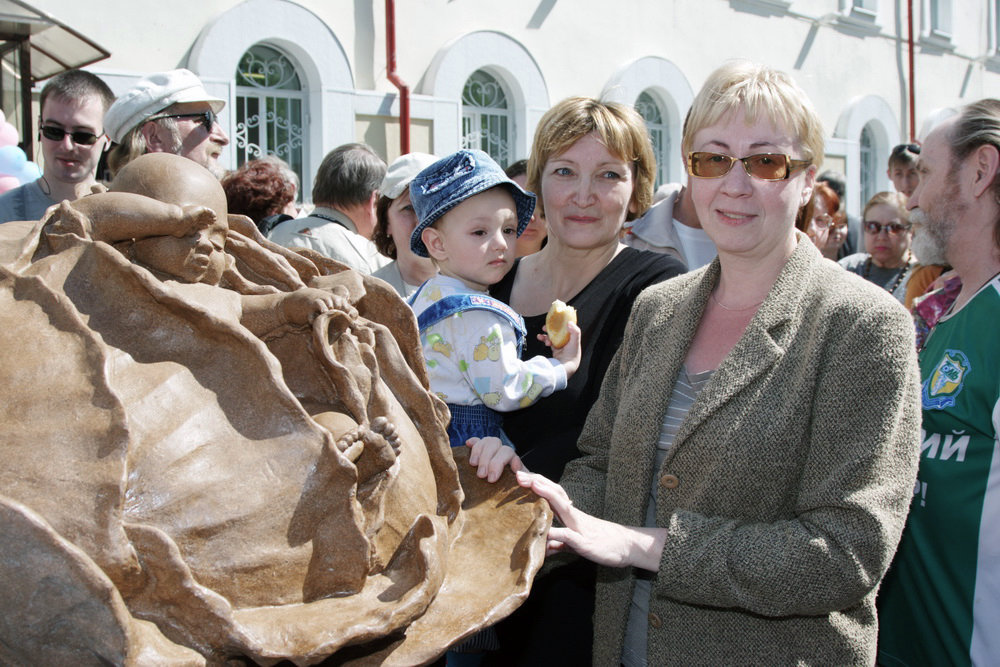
(657, 128)
(294, 151)
(476, 119)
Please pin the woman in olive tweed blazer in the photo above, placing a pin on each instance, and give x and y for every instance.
(783, 489)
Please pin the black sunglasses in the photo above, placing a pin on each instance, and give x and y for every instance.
(205, 118)
(80, 137)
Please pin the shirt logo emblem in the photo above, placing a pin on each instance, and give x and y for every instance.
(945, 383)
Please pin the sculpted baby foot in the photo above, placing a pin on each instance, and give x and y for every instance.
(197, 217)
(381, 445)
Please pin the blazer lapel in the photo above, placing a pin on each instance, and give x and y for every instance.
(763, 343)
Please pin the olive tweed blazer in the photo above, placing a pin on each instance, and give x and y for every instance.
(786, 489)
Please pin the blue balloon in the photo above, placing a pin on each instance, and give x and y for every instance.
(12, 160)
(28, 173)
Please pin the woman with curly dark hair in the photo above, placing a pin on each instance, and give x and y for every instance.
(263, 190)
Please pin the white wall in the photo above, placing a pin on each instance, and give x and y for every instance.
(549, 49)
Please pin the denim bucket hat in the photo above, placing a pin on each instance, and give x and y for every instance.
(453, 179)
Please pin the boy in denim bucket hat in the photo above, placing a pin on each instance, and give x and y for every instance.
(469, 216)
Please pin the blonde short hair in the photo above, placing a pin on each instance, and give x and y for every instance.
(896, 200)
(620, 128)
(762, 92)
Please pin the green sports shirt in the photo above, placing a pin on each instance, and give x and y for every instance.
(940, 602)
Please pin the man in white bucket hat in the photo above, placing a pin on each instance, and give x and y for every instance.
(166, 112)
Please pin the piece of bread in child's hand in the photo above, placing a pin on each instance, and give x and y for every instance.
(558, 317)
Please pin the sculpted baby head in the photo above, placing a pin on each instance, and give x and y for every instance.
(196, 252)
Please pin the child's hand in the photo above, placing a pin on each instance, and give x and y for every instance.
(300, 306)
(490, 456)
(568, 354)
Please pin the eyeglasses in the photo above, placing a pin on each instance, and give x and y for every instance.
(764, 166)
(80, 137)
(823, 221)
(893, 228)
(205, 118)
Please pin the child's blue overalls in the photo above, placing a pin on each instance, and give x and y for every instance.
(472, 421)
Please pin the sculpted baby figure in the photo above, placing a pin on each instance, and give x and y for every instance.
(171, 217)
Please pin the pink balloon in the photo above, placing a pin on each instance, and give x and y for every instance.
(8, 134)
(8, 183)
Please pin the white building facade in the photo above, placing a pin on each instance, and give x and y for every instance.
(304, 77)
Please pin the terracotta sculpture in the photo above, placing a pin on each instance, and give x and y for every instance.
(219, 449)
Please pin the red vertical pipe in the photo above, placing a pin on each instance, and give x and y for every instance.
(404, 90)
(913, 76)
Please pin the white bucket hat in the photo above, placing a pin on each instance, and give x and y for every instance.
(401, 172)
(153, 94)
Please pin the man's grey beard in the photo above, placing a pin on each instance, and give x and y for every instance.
(217, 169)
(926, 245)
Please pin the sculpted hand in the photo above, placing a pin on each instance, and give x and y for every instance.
(490, 456)
(342, 301)
(300, 306)
(597, 540)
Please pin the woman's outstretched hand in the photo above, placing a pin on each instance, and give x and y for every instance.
(604, 542)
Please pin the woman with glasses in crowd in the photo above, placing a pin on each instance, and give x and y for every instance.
(822, 220)
(888, 262)
(836, 237)
(748, 466)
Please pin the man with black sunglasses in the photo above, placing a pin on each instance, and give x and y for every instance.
(72, 139)
(167, 112)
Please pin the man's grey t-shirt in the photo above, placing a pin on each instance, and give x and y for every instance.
(26, 202)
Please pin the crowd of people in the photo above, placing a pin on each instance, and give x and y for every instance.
(772, 436)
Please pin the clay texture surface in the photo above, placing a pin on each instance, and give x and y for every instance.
(188, 480)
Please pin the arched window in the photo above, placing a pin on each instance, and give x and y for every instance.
(485, 117)
(868, 166)
(269, 103)
(658, 132)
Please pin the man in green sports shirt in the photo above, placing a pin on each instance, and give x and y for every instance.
(940, 602)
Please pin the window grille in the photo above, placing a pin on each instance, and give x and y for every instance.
(486, 118)
(658, 133)
(269, 108)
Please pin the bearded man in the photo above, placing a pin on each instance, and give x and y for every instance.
(940, 602)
